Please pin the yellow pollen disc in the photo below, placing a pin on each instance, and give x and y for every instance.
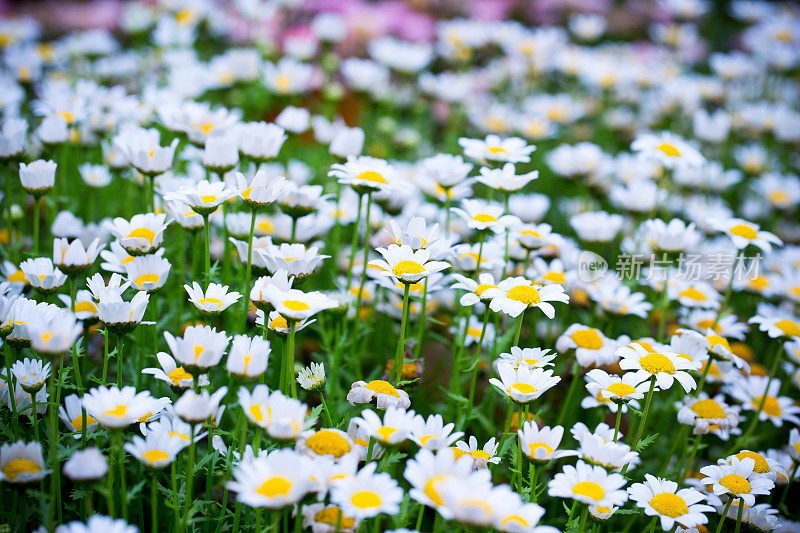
(380, 386)
(778, 198)
(656, 362)
(494, 150)
(669, 504)
(173, 434)
(523, 388)
(77, 422)
(85, 307)
(290, 259)
(480, 454)
(788, 327)
(471, 255)
(590, 489)
(474, 332)
(296, 305)
(735, 483)
(693, 294)
(621, 389)
(41, 277)
(279, 323)
(533, 446)
(430, 489)
(457, 453)
(407, 267)
(482, 287)
(646, 345)
(516, 518)
(143, 233)
(366, 499)
(118, 411)
(283, 83)
(588, 338)
(145, 417)
(386, 432)
(669, 149)
(147, 278)
(17, 277)
(525, 294)
(333, 516)
(208, 198)
(216, 302)
(178, 375)
(531, 233)
(708, 409)
(771, 405)
(743, 230)
(198, 350)
(126, 260)
(256, 413)
(206, 128)
(275, 486)
(761, 467)
(153, 456)
(16, 467)
(484, 217)
(556, 277)
(716, 340)
(327, 442)
(425, 438)
(371, 175)
(247, 192)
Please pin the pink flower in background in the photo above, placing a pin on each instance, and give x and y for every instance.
(489, 9)
(65, 15)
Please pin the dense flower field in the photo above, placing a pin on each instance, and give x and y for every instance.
(272, 265)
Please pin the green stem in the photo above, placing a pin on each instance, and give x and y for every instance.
(573, 388)
(187, 500)
(776, 358)
(662, 318)
(687, 468)
(739, 515)
(724, 515)
(619, 419)
(354, 244)
(366, 257)
(36, 201)
(291, 382)
(154, 505)
(422, 322)
(246, 286)
(398, 354)
(476, 357)
(207, 233)
(519, 328)
(325, 409)
(643, 421)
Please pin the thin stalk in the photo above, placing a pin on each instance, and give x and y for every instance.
(422, 322)
(207, 233)
(187, 500)
(739, 515)
(475, 358)
(519, 328)
(36, 201)
(291, 383)
(619, 419)
(366, 257)
(354, 243)
(776, 358)
(154, 505)
(398, 354)
(724, 515)
(246, 286)
(643, 421)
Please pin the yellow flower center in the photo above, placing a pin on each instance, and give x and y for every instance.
(533, 446)
(621, 389)
(525, 294)
(143, 233)
(693, 294)
(16, 467)
(366, 499)
(590, 489)
(178, 375)
(275, 486)
(516, 518)
(371, 175)
(494, 150)
(484, 217)
(296, 305)
(333, 516)
(407, 267)
(656, 362)
(182, 436)
(708, 409)
(153, 456)
(207, 127)
(283, 83)
(279, 323)
(430, 489)
(210, 301)
(771, 405)
(735, 483)
(480, 454)
(257, 413)
(85, 307)
(669, 149)
(118, 411)
(588, 338)
(380, 386)
(482, 287)
(761, 467)
(555, 277)
(327, 442)
(745, 231)
(208, 198)
(386, 432)
(788, 327)
(669, 504)
(146, 278)
(523, 388)
(77, 422)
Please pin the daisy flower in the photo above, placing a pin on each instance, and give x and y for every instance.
(609, 454)
(157, 450)
(426, 472)
(523, 384)
(322, 518)
(668, 149)
(764, 465)
(31, 374)
(614, 388)
(590, 345)
(384, 393)
(147, 273)
(367, 494)
(744, 233)
(204, 197)
(590, 485)
(738, 479)
(665, 366)
(776, 322)
(473, 501)
(753, 390)
(42, 275)
(393, 429)
(532, 357)
(506, 178)
(707, 414)
(365, 174)
(312, 377)
(37, 177)
(115, 408)
(194, 408)
(200, 348)
(513, 296)
(482, 215)
(86, 465)
(662, 498)
(432, 433)
(296, 305)
(481, 457)
(172, 374)
(98, 524)
(72, 413)
(22, 462)
(297, 260)
(73, 256)
(407, 265)
(475, 290)
(214, 300)
(142, 234)
(260, 191)
(495, 148)
(326, 442)
(274, 481)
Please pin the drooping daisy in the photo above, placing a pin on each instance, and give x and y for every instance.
(276, 480)
(662, 498)
(611, 455)
(22, 462)
(665, 366)
(523, 384)
(367, 494)
(214, 300)
(515, 295)
(590, 485)
(737, 478)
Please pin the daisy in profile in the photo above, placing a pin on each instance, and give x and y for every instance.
(248, 356)
(666, 367)
(86, 465)
(590, 485)
(776, 322)
(170, 373)
(426, 472)
(73, 256)
(157, 450)
(142, 234)
(322, 518)
(668, 149)
(497, 149)
(326, 442)
(506, 178)
(764, 465)
(474, 290)
(513, 296)
(384, 393)
(393, 429)
(298, 261)
(204, 197)
(753, 391)
(524, 384)
(590, 345)
(22, 462)
(365, 174)
(312, 377)
(72, 414)
(148, 272)
(744, 233)
(295, 305)
(708, 415)
(662, 498)
(614, 388)
(532, 357)
(214, 300)
(274, 481)
(481, 457)
(611, 455)
(200, 348)
(367, 494)
(260, 191)
(194, 408)
(433, 434)
(738, 479)
(473, 500)
(31, 374)
(406, 265)
(115, 408)
(42, 275)
(482, 215)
